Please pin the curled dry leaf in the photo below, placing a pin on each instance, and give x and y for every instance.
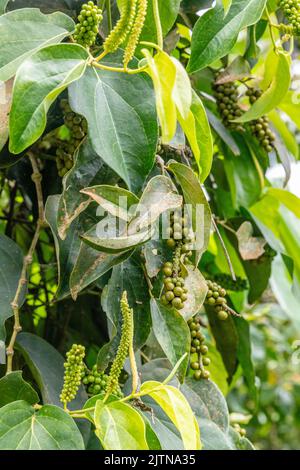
(250, 247)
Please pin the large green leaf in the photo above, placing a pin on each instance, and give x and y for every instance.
(89, 169)
(120, 110)
(200, 211)
(206, 401)
(39, 81)
(172, 333)
(39, 30)
(11, 262)
(244, 175)
(226, 337)
(276, 86)
(215, 34)
(13, 387)
(177, 408)
(210, 408)
(120, 427)
(245, 356)
(50, 428)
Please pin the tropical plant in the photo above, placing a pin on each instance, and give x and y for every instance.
(141, 227)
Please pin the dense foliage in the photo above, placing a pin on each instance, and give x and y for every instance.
(149, 258)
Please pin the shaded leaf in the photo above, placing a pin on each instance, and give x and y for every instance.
(91, 265)
(226, 338)
(11, 262)
(88, 169)
(172, 333)
(47, 367)
(168, 11)
(13, 387)
(129, 277)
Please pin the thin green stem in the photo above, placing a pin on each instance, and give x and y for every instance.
(151, 44)
(119, 69)
(160, 40)
(108, 11)
(271, 30)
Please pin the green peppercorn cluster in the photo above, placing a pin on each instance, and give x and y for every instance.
(180, 232)
(77, 127)
(74, 366)
(175, 292)
(228, 283)
(86, 29)
(123, 349)
(227, 102)
(180, 240)
(260, 127)
(96, 382)
(216, 297)
(291, 11)
(199, 350)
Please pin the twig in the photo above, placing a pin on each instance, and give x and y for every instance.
(15, 304)
(224, 249)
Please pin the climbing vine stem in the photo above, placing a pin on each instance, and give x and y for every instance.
(15, 304)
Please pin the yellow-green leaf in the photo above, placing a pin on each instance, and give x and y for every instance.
(163, 73)
(120, 427)
(177, 408)
(182, 92)
(197, 130)
(276, 83)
